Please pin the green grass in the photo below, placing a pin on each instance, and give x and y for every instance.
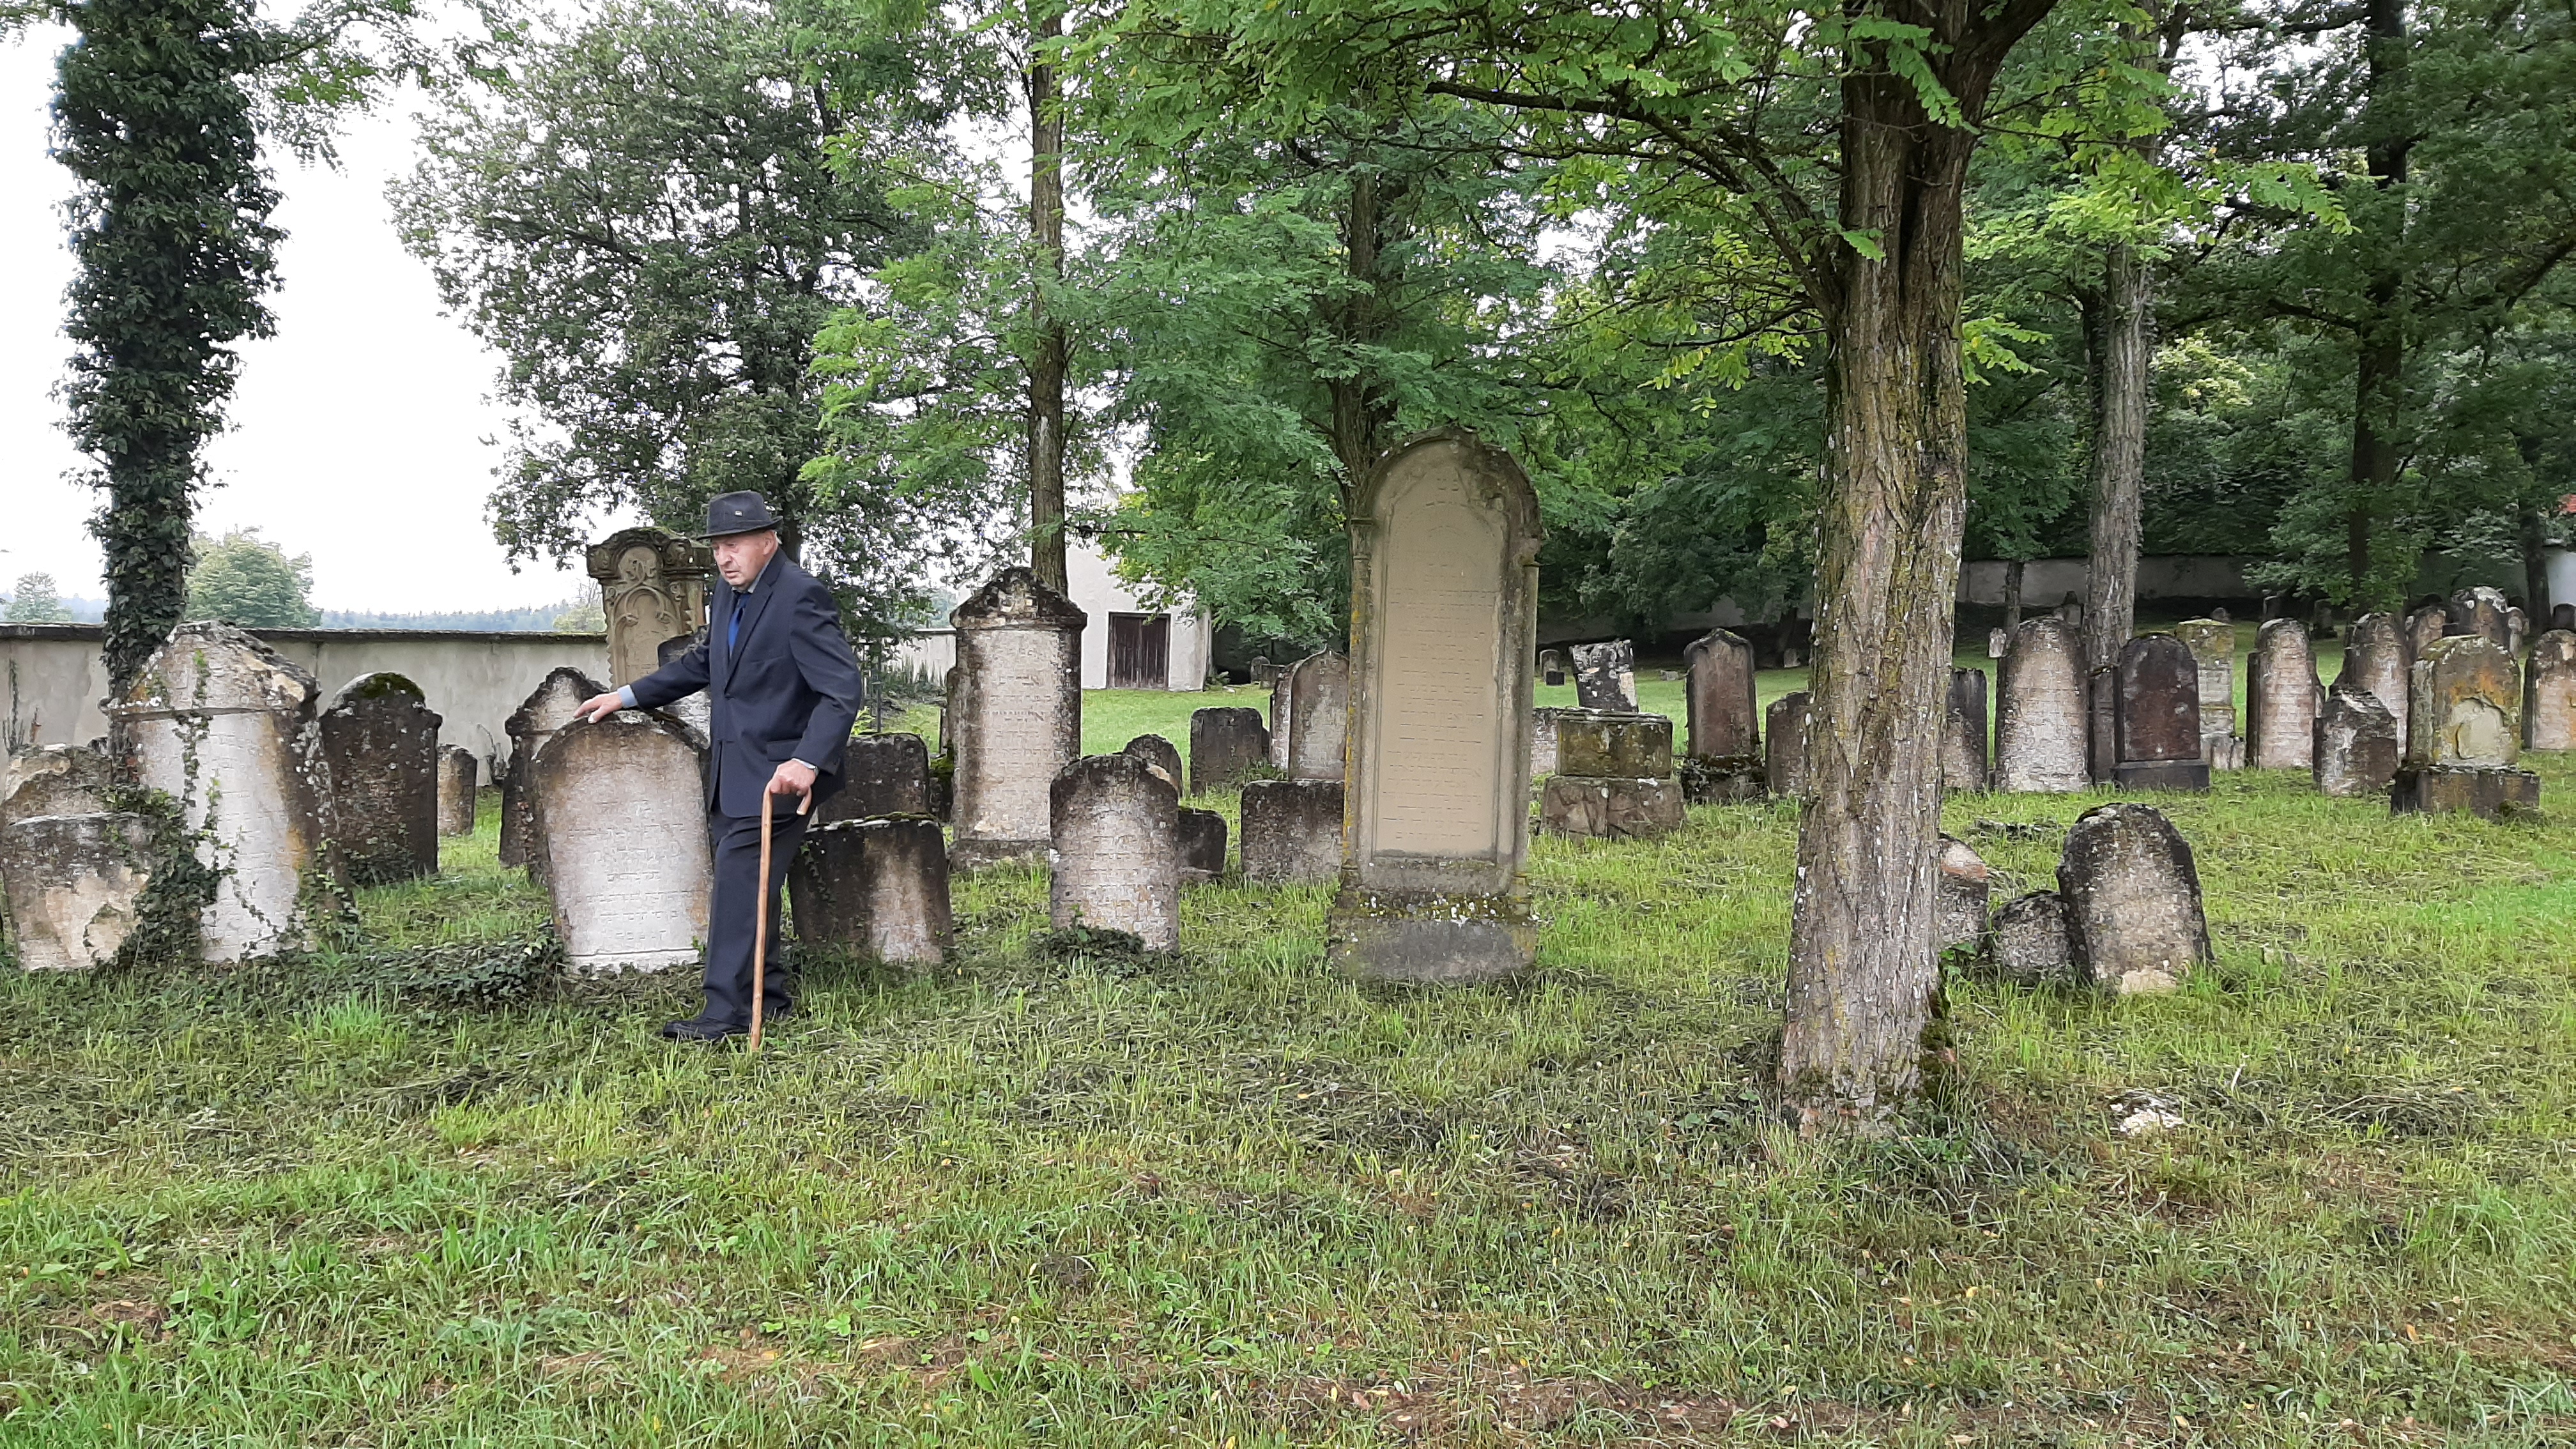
(1229, 1198)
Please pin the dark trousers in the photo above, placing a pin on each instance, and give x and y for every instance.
(729, 920)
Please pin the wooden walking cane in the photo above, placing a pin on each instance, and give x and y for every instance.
(760, 919)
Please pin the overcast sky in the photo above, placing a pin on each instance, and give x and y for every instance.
(357, 431)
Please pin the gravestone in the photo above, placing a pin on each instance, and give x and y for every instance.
(881, 775)
(1202, 846)
(2042, 712)
(1784, 740)
(382, 742)
(225, 726)
(1545, 723)
(74, 884)
(619, 839)
(1445, 536)
(1724, 721)
(2463, 733)
(1117, 850)
(2375, 656)
(2158, 695)
(53, 780)
(1227, 746)
(2102, 723)
(2070, 610)
(1965, 888)
(2132, 897)
(458, 772)
(2517, 628)
(2030, 941)
(2563, 616)
(1292, 832)
(876, 886)
(1283, 716)
(1963, 733)
(2281, 694)
(1018, 710)
(653, 588)
(2358, 750)
(2480, 611)
(1158, 752)
(2549, 693)
(1614, 778)
(1998, 643)
(1551, 666)
(548, 708)
(1605, 676)
(697, 711)
(2423, 627)
(2212, 642)
(1319, 716)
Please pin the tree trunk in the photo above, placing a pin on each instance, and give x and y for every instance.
(2535, 569)
(1047, 364)
(2121, 382)
(2379, 359)
(2012, 595)
(1862, 971)
(1362, 414)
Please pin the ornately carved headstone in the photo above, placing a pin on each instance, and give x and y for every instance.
(2212, 642)
(1963, 733)
(225, 726)
(1605, 676)
(74, 884)
(2549, 693)
(2375, 658)
(548, 708)
(1444, 602)
(619, 838)
(1292, 832)
(1018, 704)
(653, 587)
(458, 773)
(2358, 745)
(2463, 733)
(2158, 696)
(1227, 746)
(382, 740)
(1614, 778)
(2133, 915)
(2480, 611)
(1319, 716)
(881, 775)
(878, 886)
(1784, 742)
(2042, 714)
(2281, 693)
(1117, 853)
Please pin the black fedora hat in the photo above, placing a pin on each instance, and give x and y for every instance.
(732, 513)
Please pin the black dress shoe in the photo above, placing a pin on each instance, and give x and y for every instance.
(703, 1028)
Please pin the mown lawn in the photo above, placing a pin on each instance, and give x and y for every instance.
(1230, 1199)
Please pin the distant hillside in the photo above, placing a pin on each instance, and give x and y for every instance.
(538, 620)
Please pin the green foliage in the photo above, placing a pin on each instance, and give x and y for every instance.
(244, 579)
(35, 600)
(588, 616)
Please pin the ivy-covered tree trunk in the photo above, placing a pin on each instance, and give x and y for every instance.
(1047, 368)
(170, 227)
(2121, 379)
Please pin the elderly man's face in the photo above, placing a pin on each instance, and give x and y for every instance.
(741, 556)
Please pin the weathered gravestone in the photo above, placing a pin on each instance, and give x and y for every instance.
(1966, 886)
(619, 838)
(1117, 850)
(1158, 752)
(1605, 676)
(74, 884)
(1998, 643)
(1018, 707)
(1963, 733)
(1723, 761)
(877, 886)
(2158, 693)
(1614, 778)
(1292, 832)
(1784, 743)
(2212, 642)
(1319, 716)
(1444, 601)
(382, 741)
(2422, 628)
(2358, 746)
(1202, 846)
(2375, 658)
(1551, 666)
(548, 708)
(2071, 610)
(1228, 745)
(2030, 941)
(2132, 894)
(2549, 693)
(2042, 712)
(53, 780)
(653, 588)
(225, 727)
(1283, 713)
(2480, 611)
(2463, 733)
(1545, 723)
(2517, 628)
(458, 773)
(881, 775)
(2281, 694)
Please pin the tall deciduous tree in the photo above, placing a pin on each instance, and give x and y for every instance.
(244, 579)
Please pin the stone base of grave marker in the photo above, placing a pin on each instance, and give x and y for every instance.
(1626, 746)
(1292, 832)
(2486, 791)
(74, 884)
(1202, 846)
(2030, 941)
(1732, 780)
(1615, 809)
(457, 773)
(1430, 939)
(2180, 775)
(1966, 887)
(877, 886)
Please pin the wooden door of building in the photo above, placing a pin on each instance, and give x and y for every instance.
(1140, 651)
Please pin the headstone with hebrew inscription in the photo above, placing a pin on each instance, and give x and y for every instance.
(2212, 642)
(458, 774)
(620, 841)
(2157, 716)
(1444, 602)
(2281, 695)
(2375, 658)
(548, 708)
(1116, 861)
(653, 588)
(225, 726)
(1018, 706)
(1319, 716)
(382, 740)
(2043, 711)
(2464, 733)
(1292, 832)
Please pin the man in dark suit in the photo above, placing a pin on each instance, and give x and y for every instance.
(784, 692)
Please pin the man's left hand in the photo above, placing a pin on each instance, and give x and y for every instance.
(793, 778)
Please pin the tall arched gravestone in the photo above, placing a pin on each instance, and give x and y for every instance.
(547, 708)
(225, 726)
(1319, 716)
(2549, 693)
(620, 841)
(1723, 758)
(653, 587)
(382, 740)
(1444, 620)
(2213, 651)
(2043, 712)
(2157, 695)
(1018, 705)
(2376, 653)
(2281, 698)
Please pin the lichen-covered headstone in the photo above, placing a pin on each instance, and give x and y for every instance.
(458, 773)
(2281, 693)
(2043, 712)
(2479, 611)
(1292, 832)
(1116, 862)
(2464, 733)
(1283, 715)
(382, 740)
(1445, 536)
(2157, 691)
(2357, 750)
(1784, 743)
(74, 885)
(2030, 941)
(548, 708)
(225, 726)
(1018, 704)
(1614, 778)
(1963, 733)
(877, 886)
(2133, 914)
(2375, 658)
(1319, 716)
(1605, 676)
(1158, 752)
(2212, 642)
(1966, 885)
(2549, 693)
(619, 839)
(2423, 627)
(1202, 846)
(881, 775)
(1228, 745)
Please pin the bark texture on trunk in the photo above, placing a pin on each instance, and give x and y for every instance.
(2121, 381)
(2012, 595)
(1362, 413)
(2379, 361)
(1047, 363)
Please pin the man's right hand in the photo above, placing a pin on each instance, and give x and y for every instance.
(599, 707)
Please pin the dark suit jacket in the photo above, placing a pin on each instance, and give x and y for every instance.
(788, 690)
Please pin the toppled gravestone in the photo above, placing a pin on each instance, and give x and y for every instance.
(1116, 854)
(2134, 923)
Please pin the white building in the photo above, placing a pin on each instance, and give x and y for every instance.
(1125, 645)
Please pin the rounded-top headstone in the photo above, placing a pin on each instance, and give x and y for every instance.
(2480, 611)
(1228, 745)
(2376, 653)
(1784, 745)
(1158, 752)
(548, 708)
(2158, 700)
(1319, 716)
(2132, 892)
(1116, 861)
(619, 839)
(2549, 693)
(2042, 714)
(2281, 698)
(1724, 721)
(382, 741)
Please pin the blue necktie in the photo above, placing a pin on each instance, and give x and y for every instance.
(733, 631)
